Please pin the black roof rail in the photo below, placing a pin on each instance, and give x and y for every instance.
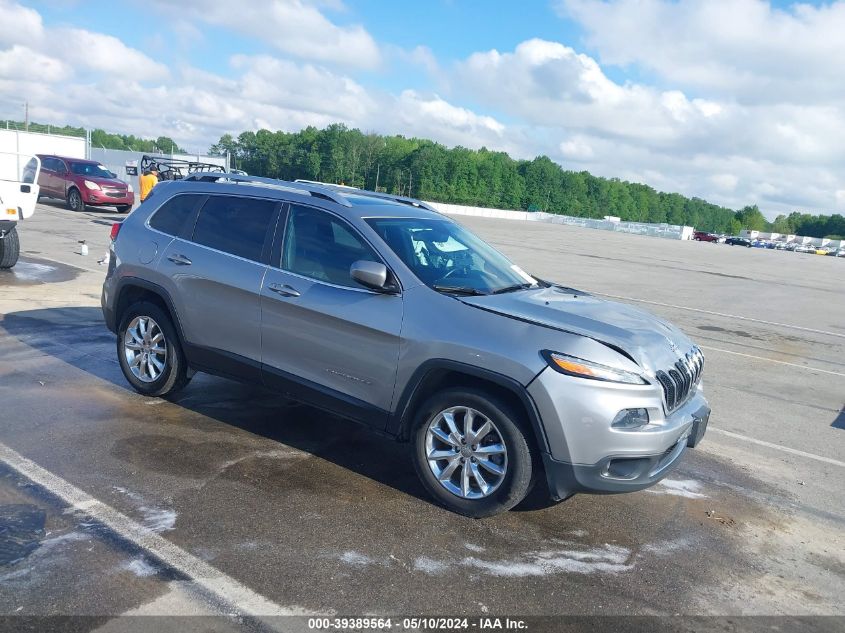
(316, 191)
(411, 202)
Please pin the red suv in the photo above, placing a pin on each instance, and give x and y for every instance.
(83, 182)
(704, 236)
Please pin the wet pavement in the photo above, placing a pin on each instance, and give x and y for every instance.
(315, 513)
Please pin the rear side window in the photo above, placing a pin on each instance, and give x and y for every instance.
(173, 214)
(235, 225)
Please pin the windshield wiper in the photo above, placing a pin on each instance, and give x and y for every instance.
(459, 290)
(512, 288)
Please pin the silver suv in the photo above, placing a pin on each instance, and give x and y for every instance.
(379, 309)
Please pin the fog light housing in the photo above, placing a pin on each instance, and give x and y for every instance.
(630, 419)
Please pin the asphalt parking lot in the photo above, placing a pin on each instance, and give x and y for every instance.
(311, 514)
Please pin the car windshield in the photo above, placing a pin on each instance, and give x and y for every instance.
(90, 169)
(447, 257)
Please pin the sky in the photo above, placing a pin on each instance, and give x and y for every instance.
(734, 101)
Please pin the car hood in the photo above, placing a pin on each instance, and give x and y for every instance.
(651, 342)
(105, 182)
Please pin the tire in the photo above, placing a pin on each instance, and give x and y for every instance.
(517, 462)
(10, 248)
(74, 200)
(172, 375)
(124, 208)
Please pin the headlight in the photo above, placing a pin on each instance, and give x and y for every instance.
(129, 188)
(90, 185)
(572, 366)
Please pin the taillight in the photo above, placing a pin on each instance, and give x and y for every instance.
(115, 229)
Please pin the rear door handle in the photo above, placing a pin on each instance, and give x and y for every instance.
(181, 260)
(284, 290)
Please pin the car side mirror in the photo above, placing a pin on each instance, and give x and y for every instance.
(372, 275)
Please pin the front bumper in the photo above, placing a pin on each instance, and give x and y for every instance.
(588, 455)
(100, 198)
(617, 474)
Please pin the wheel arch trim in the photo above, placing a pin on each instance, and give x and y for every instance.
(401, 419)
(125, 283)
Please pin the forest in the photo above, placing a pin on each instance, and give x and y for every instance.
(424, 169)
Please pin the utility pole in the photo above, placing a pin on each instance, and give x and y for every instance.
(410, 178)
(26, 116)
(378, 168)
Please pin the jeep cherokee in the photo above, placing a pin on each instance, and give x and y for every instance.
(379, 309)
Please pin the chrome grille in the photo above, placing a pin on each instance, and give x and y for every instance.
(679, 381)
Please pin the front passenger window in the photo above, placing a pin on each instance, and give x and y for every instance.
(321, 247)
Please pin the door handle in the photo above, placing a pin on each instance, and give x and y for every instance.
(181, 260)
(284, 290)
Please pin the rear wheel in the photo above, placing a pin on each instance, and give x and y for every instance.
(74, 200)
(149, 352)
(471, 453)
(10, 248)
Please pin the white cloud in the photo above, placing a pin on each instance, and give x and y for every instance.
(746, 49)
(295, 27)
(724, 182)
(20, 62)
(434, 113)
(20, 25)
(47, 54)
(104, 54)
(542, 97)
(778, 154)
(549, 84)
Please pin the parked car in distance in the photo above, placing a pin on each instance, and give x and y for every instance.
(839, 253)
(738, 241)
(805, 248)
(82, 182)
(379, 309)
(704, 236)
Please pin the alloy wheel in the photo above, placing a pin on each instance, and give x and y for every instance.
(145, 349)
(466, 452)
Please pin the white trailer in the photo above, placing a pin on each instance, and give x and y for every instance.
(18, 195)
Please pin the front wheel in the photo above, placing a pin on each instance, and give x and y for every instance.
(10, 248)
(74, 200)
(471, 453)
(124, 208)
(149, 352)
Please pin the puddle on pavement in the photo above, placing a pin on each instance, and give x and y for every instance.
(30, 271)
(21, 531)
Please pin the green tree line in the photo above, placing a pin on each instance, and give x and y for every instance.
(424, 169)
(101, 138)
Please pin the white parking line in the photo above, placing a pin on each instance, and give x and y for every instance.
(227, 590)
(772, 360)
(723, 314)
(785, 449)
